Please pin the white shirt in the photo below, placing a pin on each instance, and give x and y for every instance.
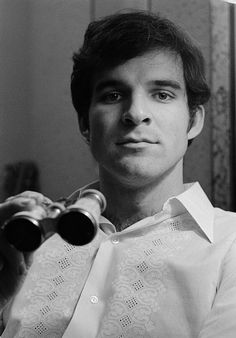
(169, 275)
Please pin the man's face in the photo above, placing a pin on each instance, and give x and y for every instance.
(139, 119)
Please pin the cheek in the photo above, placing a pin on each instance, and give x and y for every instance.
(103, 123)
(96, 124)
(100, 130)
(176, 131)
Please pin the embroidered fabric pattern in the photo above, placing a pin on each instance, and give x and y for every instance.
(140, 282)
(51, 292)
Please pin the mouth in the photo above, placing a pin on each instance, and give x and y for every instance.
(131, 141)
(135, 144)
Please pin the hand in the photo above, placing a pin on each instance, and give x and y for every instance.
(14, 264)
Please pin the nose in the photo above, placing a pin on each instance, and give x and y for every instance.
(136, 111)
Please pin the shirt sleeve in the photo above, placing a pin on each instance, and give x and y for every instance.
(221, 321)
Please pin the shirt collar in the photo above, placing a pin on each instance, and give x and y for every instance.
(196, 203)
(193, 200)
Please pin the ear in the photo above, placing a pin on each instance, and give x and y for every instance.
(84, 129)
(197, 123)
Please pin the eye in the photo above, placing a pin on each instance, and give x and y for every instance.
(111, 97)
(162, 96)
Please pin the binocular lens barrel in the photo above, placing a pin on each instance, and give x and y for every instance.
(76, 224)
(23, 232)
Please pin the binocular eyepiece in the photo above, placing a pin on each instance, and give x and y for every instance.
(76, 223)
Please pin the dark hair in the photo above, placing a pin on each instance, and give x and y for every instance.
(113, 40)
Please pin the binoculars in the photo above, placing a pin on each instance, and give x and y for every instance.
(76, 223)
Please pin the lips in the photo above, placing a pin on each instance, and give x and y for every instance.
(127, 140)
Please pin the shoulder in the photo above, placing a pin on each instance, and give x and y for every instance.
(224, 217)
(224, 224)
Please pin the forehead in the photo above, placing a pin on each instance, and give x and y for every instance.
(149, 67)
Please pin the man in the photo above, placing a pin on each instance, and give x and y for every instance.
(164, 261)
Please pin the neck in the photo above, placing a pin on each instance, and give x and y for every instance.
(127, 204)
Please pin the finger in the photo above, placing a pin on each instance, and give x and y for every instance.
(22, 259)
(38, 197)
(28, 259)
(9, 256)
(7, 209)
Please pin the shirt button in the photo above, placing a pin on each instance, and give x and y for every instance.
(115, 241)
(94, 299)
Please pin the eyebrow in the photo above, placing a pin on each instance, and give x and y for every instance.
(107, 83)
(116, 83)
(167, 83)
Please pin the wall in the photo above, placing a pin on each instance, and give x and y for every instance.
(52, 31)
(57, 30)
(14, 84)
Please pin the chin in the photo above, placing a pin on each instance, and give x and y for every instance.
(137, 178)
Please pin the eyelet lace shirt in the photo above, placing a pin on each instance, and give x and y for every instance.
(169, 275)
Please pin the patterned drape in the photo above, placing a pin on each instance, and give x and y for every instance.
(220, 103)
